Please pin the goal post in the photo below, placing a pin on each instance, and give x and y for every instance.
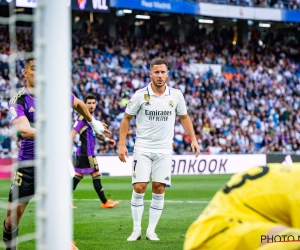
(52, 28)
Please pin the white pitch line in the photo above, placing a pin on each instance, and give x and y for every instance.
(168, 201)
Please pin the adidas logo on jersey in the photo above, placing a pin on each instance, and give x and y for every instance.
(167, 178)
(31, 109)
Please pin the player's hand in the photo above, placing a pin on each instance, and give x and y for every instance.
(111, 142)
(195, 147)
(122, 152)
(106, 131)
(106, 128)
(97, 126)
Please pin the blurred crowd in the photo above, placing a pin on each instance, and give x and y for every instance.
(252, 106)
(279, 4)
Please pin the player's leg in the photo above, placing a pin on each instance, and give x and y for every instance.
(82, 166)
(21, 191)
(96, 176)
(10, 224)
(156, 208)
(137, 209)
(161, 176)
(141, 170)
(76, 179)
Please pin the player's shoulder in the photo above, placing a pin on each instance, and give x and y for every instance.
(18, 98)
(173, 90)
(141, 91)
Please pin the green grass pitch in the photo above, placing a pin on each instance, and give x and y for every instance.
(96, 228)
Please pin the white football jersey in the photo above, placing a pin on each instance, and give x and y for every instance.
(155, 118)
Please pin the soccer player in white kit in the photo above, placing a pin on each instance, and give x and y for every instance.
(155, 108)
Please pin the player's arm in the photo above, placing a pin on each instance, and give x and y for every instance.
(124, 127)
(186, 122)
(19, 119)
(133, 106)
(188, 127)
(81, 108)
(77, 126)
(22, 125)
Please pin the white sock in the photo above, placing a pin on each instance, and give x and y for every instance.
(156, 207)
(137, 209)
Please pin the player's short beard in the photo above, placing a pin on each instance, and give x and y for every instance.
(158, 86)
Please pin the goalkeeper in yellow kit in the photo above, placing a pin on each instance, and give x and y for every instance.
(257, 209)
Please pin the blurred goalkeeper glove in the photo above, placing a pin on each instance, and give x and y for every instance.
(97, 126)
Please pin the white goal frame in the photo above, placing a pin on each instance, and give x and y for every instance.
(52, 36)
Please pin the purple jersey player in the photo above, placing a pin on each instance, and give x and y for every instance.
(86, 162)
(22, 110)
(23, 105)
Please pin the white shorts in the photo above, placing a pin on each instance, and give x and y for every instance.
(155, 165)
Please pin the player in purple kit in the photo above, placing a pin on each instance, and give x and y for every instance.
(22, 110)
(86, 161)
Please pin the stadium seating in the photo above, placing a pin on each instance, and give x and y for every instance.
(253, 106)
